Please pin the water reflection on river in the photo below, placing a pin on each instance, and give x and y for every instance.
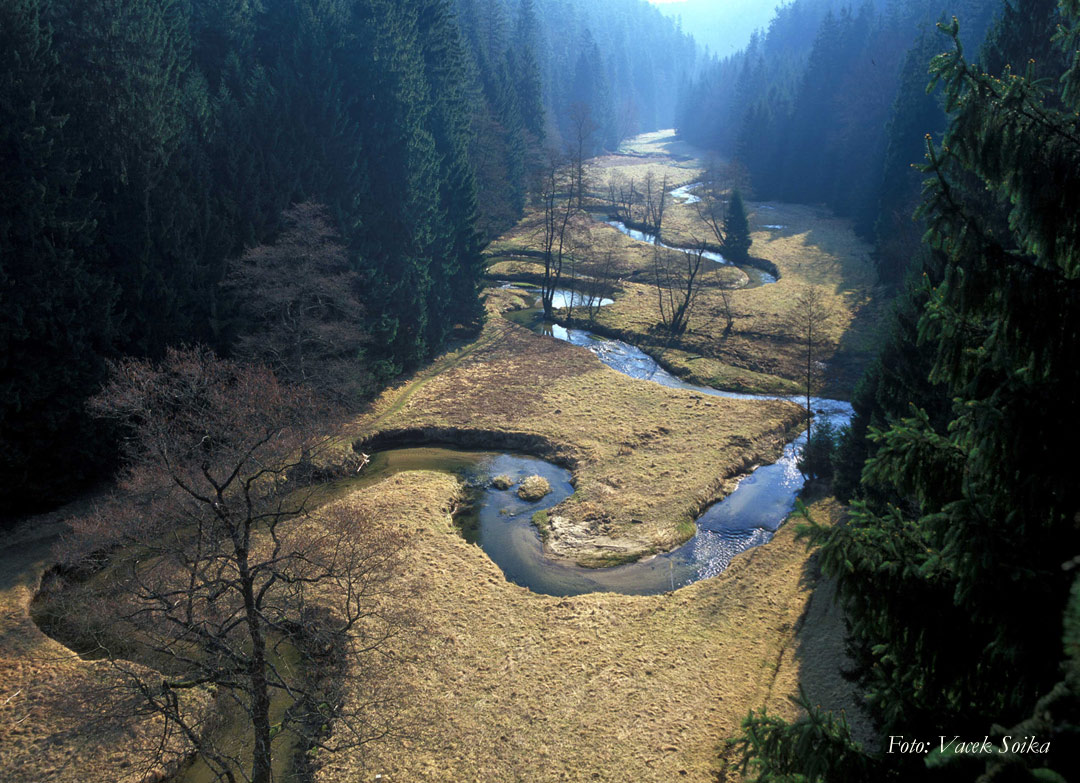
(501, 523)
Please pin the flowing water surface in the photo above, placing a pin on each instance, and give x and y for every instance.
(501, 522)
(756, 277)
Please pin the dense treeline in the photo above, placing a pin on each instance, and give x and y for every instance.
(146, 144)
(546, 67)
(153, 141)
(830, 106)
(957, 565)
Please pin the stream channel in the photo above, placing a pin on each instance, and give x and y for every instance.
(501, 523)
(755, 277)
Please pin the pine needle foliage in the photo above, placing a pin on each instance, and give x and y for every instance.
(955, 596)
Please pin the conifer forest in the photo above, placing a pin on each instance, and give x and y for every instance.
(539, 390)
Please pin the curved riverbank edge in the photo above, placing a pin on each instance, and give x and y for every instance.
(656, 347)
(528, 443)
(763, 264)
(581, 538)
(569, 535)
(528, 685)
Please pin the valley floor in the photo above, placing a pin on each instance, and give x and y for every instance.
(515, 686)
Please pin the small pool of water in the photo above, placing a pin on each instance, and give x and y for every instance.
(501, 523)
(564, 298)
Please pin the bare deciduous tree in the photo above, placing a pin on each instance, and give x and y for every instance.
(211, 568)
(678, 276)
(583, 128)
(655, 203)
(601, 285)
(616, 190)
(712, 209)
(299, 306)
(623, 196)
(579, 257)
(726, 309)
(591, 270)
(558, 205)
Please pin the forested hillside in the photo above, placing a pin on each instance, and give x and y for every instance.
(147, 145)
(830, 107)
(547, 66)
(957, 565)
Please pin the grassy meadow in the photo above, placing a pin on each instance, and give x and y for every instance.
(646, 459)
(763, 353)
(526, 687)
(506, 684)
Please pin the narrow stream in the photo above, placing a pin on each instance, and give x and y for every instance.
(684, 195)
(756, 277)
(501, 522)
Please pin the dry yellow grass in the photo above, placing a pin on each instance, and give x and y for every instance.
(763, 354)
(524, 687)
(646, 459)
(532, 688)
(61, 718)
(813, 249)
(516, 686)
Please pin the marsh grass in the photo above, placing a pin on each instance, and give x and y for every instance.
(761, 354)
(594, 687)
(646, 459)
(63, 718)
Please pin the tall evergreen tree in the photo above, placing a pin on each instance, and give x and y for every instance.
(590, 89)
(737, 239)
(134, 106)
(54, 311)
(916, 114)
(526, 70)
(456, 265)
(992, 497)
(402, 211)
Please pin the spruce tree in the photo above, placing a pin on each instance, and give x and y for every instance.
(456, 265)
(915, 114)
(124, 67)
(737, 239)
(956, 597)
(54, 311)
(526, 70)
(401, 207)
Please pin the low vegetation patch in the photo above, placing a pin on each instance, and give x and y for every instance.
(540, 519)
(502, 482)
(534, 488)
(762, 351)
(646, 459)
(524, 686)
(63, 718)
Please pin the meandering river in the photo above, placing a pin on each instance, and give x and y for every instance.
(501, 522)
(755, 277)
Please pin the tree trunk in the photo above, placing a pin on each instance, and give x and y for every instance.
(260, 690)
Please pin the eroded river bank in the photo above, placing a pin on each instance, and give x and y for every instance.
(527, 681)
